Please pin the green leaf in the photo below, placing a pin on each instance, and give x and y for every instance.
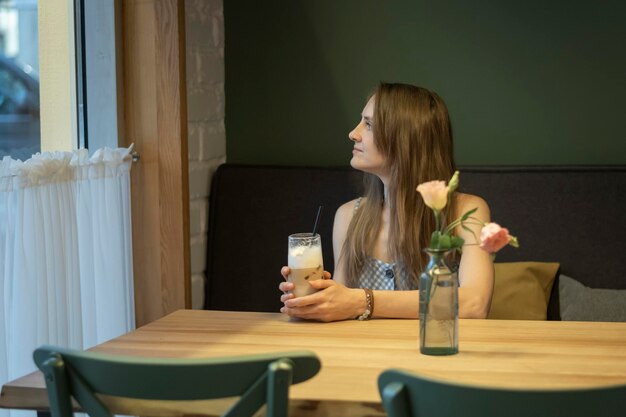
(444, 242)
(469, 213)
(456, 242)
(434, 239)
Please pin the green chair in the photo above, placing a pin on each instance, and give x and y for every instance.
(257, 379)
(406, 394)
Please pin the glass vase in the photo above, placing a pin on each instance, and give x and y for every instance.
(439, 306)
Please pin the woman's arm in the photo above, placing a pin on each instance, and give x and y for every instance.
(343, 216)
(476, 272)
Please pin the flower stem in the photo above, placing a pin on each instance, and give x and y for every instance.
(459, 221)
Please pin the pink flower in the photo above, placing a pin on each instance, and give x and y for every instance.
(493, 237)
(434, 193)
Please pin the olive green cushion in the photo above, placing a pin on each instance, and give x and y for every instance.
(522, 290)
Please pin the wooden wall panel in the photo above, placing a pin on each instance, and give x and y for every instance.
(155, 119)
(173, 155)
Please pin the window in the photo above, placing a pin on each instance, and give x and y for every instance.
(19, 80)
(96, 73)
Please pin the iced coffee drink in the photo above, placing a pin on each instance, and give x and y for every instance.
(305, 262)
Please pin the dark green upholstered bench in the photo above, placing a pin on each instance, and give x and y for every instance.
(572, 215)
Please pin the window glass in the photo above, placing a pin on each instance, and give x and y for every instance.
(19, 80)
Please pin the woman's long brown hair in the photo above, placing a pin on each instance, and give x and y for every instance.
(412, 130)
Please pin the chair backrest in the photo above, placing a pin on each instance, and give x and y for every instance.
(257, 379)
(405, 395)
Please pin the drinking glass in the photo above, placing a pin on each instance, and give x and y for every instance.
(305, 262)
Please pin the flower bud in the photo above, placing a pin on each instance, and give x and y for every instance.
(453, 184)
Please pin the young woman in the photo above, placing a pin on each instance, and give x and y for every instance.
(404, 138)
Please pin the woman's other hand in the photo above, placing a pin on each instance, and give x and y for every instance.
(288, 287)
(331, 302)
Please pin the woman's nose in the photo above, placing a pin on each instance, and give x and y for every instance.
(355, 135)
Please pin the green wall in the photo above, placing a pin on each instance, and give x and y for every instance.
(526, 82)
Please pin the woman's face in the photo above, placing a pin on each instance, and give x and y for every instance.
(365, 154)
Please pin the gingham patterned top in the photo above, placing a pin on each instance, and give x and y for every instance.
(376, 274)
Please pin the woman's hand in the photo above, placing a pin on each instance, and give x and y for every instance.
(331, 302)
(288, 287)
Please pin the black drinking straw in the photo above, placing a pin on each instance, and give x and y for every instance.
(317, 219)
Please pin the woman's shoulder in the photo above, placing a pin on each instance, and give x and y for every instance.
(466, 202)
(346, 210)
(343, 217)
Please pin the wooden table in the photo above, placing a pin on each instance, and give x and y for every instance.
(505, 353)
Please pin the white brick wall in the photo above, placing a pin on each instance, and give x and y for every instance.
(205, 112)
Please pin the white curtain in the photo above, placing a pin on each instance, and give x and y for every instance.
(65, 253)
